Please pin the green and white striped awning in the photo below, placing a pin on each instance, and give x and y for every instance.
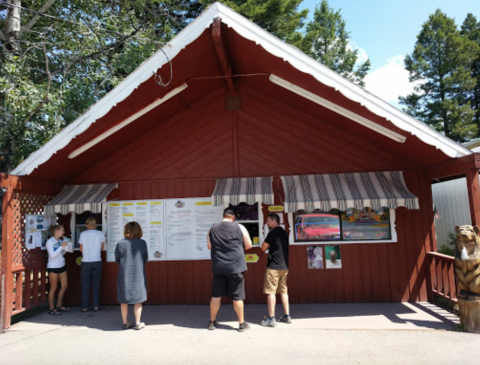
(349, 190)
(248, 189)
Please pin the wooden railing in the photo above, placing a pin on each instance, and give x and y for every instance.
(30, 288)
(443, 277)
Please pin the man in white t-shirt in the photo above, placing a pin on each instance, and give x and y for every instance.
(91, 244)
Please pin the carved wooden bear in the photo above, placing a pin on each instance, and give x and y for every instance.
(467, 260)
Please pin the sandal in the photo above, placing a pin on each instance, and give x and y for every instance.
(139, 326)
(63, 309)
(54, 312)
(127, 325)
(84, 310)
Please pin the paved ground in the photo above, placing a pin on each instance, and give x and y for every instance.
(389, 333)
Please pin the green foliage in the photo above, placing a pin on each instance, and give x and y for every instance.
(53, 70)
(328, 43)
(448, 248)
(279, 17)
(470, 29)
(441, 62)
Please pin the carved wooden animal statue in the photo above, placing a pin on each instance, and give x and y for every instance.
(467, 260)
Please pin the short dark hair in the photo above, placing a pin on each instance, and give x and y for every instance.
(274, 216)
(228, 213)
(133, 230)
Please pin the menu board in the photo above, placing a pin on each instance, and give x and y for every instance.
(174, 229)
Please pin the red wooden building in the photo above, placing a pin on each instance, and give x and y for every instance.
(241, 103)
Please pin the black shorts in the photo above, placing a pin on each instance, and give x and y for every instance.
(232, 285)
(57, 271)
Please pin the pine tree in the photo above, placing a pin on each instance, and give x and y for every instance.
(470, 29)
(327, 41)
(442, 61)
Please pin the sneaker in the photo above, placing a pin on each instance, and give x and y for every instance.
(139, 326)
(127, 325)
(285, 319)
(212, 325)
(268, 322)
(243, 327)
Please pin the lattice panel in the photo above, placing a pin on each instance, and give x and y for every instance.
(25, 203)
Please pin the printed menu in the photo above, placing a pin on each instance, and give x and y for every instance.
(174, 229)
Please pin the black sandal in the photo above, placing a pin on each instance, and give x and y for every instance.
(54, 312)
(63, 309)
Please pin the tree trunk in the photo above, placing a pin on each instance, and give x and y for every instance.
(469, 311)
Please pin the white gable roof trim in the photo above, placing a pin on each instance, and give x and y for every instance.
(271, 44)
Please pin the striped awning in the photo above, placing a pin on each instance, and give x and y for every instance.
(249, 190)
(80, 198)
(350, 190)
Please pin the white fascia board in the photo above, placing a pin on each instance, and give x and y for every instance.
(271, 44)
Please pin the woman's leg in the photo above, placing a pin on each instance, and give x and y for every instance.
(63, 287)
(53, 281)
(124, 310)
(137, 310)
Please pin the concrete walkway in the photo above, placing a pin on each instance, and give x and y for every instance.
(370, 333)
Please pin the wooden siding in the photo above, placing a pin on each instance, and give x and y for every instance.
(370, 272)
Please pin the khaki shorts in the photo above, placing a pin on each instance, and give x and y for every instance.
(275, 282)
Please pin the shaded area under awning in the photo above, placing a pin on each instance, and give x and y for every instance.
(348, 190)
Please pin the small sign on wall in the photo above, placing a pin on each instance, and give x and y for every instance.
(251, 258)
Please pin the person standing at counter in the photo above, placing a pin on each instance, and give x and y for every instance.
(228, 242)
(91, 245)
(275, 281)
(57, 272)
(131, 255)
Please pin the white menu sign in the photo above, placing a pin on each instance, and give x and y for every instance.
(148, 213)
(174, 229)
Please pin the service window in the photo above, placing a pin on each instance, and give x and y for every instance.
(247, 215)
(80, 224)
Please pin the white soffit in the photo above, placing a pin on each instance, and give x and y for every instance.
(270, 43)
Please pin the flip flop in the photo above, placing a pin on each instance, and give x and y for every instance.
(54, 312)
(63, 309)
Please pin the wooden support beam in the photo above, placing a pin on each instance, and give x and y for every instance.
(473, 188)
(222, 53)
(452, 167)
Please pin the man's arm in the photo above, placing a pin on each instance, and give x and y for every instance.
(81, 247)
(209, 244)
(247, 242)
(265, 246)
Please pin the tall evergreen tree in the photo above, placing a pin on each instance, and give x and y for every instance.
(442, 61)
(470, 29)
(282, 18)
(327, 41)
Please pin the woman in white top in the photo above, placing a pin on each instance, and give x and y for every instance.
(56, 269)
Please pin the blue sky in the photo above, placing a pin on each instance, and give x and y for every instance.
(386, 31)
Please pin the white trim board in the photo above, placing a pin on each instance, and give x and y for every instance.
(271, 44)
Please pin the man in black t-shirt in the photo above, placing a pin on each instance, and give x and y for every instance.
(228, 241)
(277, 270)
